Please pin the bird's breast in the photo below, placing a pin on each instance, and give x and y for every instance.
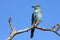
(39, 15)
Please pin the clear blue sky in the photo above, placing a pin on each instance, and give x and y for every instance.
(21, 11)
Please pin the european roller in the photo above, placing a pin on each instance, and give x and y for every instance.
(36, 17)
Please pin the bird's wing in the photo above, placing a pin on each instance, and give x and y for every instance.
(33, 17)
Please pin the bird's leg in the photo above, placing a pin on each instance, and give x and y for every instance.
(36, 23)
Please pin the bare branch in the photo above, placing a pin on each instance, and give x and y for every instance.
(53, 29)
(24, 30)
(10, 23)
(15, 32)
(43, 29)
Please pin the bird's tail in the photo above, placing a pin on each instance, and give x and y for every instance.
(32, 32)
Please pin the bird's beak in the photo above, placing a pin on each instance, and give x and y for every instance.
(33, 7)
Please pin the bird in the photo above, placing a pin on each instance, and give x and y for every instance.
(36, 17)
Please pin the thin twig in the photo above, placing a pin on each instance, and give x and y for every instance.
(10, 23)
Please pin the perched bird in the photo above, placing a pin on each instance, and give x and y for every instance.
(36, 17)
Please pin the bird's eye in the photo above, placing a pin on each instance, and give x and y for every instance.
(36, 6)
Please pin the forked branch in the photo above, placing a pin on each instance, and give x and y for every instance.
(14, 31)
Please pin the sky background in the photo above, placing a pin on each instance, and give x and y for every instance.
(21, 11)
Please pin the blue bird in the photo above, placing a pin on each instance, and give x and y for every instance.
(36, 17)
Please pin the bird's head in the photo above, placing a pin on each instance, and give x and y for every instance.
(36, 6)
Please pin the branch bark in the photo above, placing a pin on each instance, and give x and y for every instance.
(15, 32)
